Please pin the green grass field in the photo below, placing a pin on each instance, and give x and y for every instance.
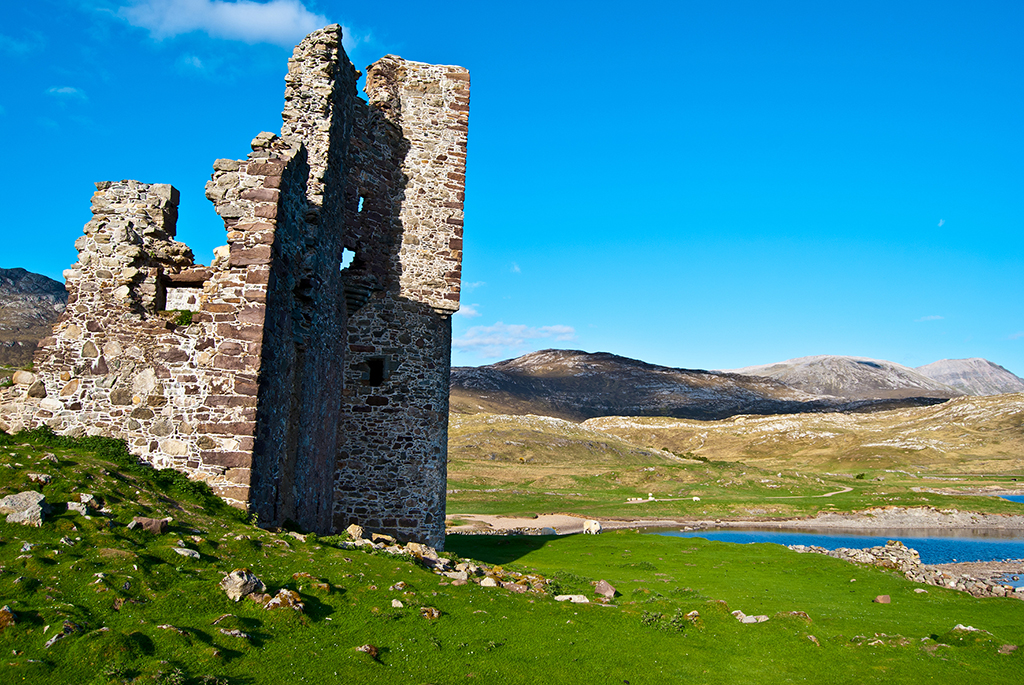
(138, 612)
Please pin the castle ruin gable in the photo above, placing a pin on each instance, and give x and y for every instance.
(304, 373)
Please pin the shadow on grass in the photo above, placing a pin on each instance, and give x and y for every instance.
(495, 549)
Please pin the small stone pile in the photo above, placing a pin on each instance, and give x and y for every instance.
(897, 556)
(459, 572)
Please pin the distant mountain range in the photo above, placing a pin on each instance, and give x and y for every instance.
(853, 378)
(973, 376)
(29, 306)
(577, 385)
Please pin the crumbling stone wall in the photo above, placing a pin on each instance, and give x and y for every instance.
(300, 388)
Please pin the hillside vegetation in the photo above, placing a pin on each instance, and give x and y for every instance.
(87, 599)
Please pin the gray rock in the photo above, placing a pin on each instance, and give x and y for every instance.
(882, 599)
(155, 526)
(575, 599)
(241, 582)
(41, 478)
(186, 552)
(488, 582)
(605, 589)
(78, 508)
(23, 500)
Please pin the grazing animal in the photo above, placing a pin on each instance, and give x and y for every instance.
(592, 527)
(696, 499)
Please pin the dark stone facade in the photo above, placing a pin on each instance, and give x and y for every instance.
(308, 380)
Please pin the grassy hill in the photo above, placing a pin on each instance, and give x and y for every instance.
(132, 610)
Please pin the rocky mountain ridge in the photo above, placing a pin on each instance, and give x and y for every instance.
(29, 306)
(973, 376)
(578, 385)
(852, 378)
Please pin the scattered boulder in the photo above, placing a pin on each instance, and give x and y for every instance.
(241, 582)
(234, 633)
(155, 526)
(286, 598)
(882, 599)
(575, 599)
(78, 508)
(381, 537)
(743, 618)
(432, 614)
(368, 649)
(7, 618)
(515, 587)
(27, 508)
(397, 604)
(186, 552)
(68, 628)
(355, 532)
(1005, 649)
(920, 591)
(41, 478)
(605, 589)
(488, 582)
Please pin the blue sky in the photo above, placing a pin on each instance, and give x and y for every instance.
(696, 184)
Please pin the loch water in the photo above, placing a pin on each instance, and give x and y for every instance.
(936, 546)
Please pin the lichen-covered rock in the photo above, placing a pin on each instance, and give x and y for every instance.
(286, 599)
(150, 525)
(241, 582)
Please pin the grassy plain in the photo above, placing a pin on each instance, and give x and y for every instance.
(753, 467)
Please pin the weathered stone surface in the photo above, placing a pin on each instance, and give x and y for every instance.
(150, 525)
(186, 552)
(575, 599)
(241, 582)
(882, 599)
(605, 589)
(7, 618)
(286, 599)
(245, 393)
(21, 501)
(21, 377)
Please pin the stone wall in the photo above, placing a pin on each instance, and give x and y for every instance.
(299, 388)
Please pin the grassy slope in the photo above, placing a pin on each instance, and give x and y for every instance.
(964, 435)
(529, 464)
(483, 634)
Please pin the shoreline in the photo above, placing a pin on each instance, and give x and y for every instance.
(889, 518)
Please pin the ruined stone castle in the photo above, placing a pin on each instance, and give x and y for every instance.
(304, 373)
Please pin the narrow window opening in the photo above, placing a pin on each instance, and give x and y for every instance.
(347, 257)
(376, 366)
(362, 201)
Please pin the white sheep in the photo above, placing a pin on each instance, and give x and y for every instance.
(592, 527)
(696, 499)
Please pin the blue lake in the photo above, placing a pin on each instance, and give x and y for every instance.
(936, 546)
(1014, 498)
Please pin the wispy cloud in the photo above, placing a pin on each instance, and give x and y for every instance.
(67, 92)
(515, 268)
(281, 22)
(941, 222)
(19, 46)
(191, 62)
(503, 340)
(933, 317)
(472, 286)
(1017, 336)
(469, 311)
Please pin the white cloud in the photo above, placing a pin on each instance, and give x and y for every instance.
(515, 268)
(191, 61)
(472, 286)
(941, 221)
(933, 317)
(282, 22)
(503, 340)
(67, 92)
(1017, 336)
(469, 311)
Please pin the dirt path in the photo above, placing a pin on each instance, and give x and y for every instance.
(562, 524)
(827, 494)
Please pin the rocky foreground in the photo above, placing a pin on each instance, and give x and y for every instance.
(984, 581)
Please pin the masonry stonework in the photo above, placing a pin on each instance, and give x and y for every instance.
(304, 373)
